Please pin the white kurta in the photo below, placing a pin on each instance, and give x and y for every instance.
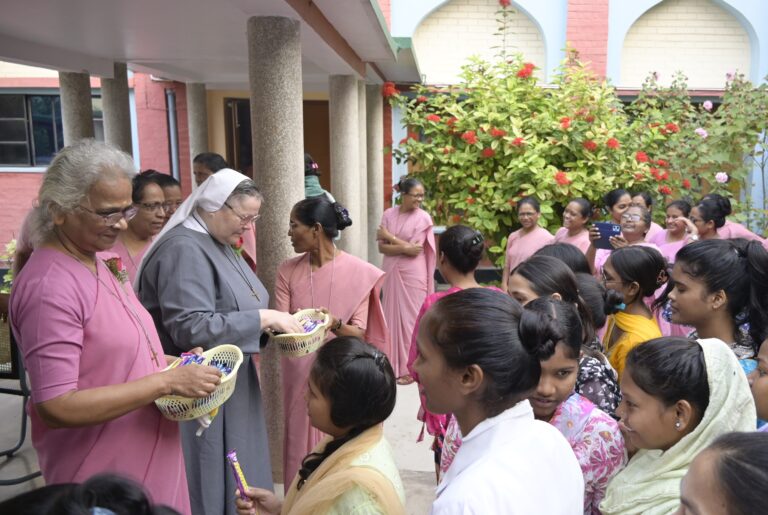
(512, 464)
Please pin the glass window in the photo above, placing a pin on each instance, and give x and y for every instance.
(31, 131)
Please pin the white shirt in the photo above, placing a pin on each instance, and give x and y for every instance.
(512, 464)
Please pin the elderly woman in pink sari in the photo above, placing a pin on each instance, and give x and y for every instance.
(93, 355)
(408, 244)
(524, 242)
(326, 278)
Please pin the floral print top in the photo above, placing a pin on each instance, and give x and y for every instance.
(598, 382)
(597, 442)
(594, 437)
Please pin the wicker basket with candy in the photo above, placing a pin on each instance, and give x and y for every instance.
(227, 358)
(315, 324)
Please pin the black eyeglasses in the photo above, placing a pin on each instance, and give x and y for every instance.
(113, 218)
(243, 219)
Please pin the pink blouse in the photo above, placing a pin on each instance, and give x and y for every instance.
(521, 246)
(580, 241)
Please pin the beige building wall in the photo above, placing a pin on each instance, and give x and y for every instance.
(462, 28)
(693, 36)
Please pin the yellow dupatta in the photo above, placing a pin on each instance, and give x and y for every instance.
(637, 329)
(336, 475)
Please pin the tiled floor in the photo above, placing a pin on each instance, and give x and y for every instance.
(414, 459)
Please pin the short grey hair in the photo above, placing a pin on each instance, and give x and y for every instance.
(69, 179)
(247, 188)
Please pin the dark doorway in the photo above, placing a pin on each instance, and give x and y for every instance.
(237, 125)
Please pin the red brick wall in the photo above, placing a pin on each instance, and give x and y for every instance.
(588, 31)
(152, 122)
(18, 192)
(386, 9)
(387, 155)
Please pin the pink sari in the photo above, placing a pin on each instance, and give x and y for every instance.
(349, 287)
(131, 263)
(521, 246)
(91, 339)
(580, 241)
(408, 281)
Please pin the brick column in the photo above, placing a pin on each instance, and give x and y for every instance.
(588, 31)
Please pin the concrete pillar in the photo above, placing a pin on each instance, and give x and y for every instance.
(76, 107)
(274, 62)
(375, 164)
(362, 155)
(345, 144)
(115, 102)
(197, 117)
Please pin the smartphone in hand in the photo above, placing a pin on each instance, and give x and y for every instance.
(607, 229)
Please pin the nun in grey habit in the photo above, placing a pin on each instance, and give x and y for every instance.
(200, 292)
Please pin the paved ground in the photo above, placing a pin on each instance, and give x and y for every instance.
(413, 459)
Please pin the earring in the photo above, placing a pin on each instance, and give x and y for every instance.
(677, 425)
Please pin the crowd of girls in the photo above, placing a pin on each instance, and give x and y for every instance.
(569, 372)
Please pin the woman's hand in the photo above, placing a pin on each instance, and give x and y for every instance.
(333, 322)
(690, 227)
(259, 499)
(594, 234)
(412, 249)
(618, 242)
(192, 380)
(383, 234)
(279, 322)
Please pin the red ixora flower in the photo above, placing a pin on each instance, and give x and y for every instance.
(565, 122)
(641, 157)
(686, 184)
(665, 190)
(639, 176)
(562, 178)
(590, 145)
(505, 3)
(612, 143)
(456, 219)
(452, 121)
(411, 135)
(672, 127)
(433, 118)
(662, 163)
(448, 149)
(389, 90)
(470, 200)
(488, 152)
(518, 142)
(421, 98)
(470, 137)
(526, 71)
(497, 133)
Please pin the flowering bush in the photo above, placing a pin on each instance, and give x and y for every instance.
(7, 258)
(497, 136)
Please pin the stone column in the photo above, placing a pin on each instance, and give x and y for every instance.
(117, 109)
(274, 62)
(375, 158)
(76, 107)
(197, 117)
(362, 171)
(345, 164)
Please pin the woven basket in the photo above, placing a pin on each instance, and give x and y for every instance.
(294, 345)
(179, 408)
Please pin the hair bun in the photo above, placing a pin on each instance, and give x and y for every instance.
(539, 334)
(342, 216)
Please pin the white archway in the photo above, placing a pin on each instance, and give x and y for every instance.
(696, 37)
